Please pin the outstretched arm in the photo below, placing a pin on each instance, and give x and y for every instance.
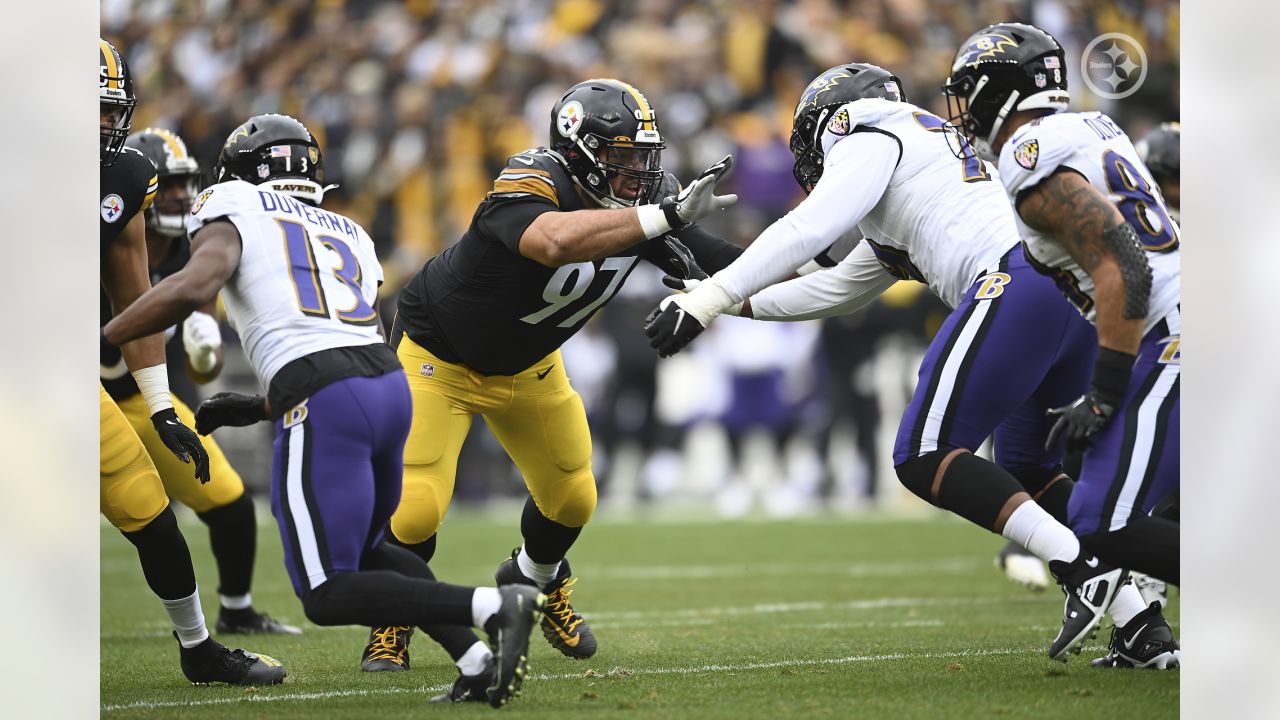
(839, 290)
(215, 252)
(125, 278)
(1083, 221)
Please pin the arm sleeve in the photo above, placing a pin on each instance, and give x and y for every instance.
(712, 252)
(858, 171)
(840, 290)
(507, 218)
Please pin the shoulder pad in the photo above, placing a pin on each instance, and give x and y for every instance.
(532, 172)
(1032, 153)
(226, 199)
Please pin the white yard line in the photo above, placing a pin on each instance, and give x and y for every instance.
(266, 696)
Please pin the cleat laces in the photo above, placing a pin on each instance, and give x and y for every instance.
(559, 607)
(386, 644)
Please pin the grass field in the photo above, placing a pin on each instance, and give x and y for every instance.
(870, 618)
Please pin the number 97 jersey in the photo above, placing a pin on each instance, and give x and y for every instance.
(307, 279)
(1092, 145)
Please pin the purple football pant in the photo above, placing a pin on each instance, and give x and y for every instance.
(336, 474)
(1133, 463)
(1012, 349)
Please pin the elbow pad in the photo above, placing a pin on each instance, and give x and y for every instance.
(1132, 259)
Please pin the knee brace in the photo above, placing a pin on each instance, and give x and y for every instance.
(958, 481)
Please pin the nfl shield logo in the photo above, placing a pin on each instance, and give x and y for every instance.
(1027, 154)
(263, 171)
(1041, 80)
(428, 370)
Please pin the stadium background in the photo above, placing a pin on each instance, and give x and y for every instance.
(417, 104)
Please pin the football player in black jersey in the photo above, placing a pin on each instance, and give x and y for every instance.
(1161, 151)
(479, 328)
(221, 503)
(132, 496)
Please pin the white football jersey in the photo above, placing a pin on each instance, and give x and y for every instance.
(1091, 144)
(891, 173)
(307, 279)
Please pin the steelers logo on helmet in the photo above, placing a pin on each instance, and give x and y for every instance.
(570, 118)
(112, 208)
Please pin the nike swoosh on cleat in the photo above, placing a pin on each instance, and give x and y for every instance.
(1128, 644)
(1091, 562)
(570, 640)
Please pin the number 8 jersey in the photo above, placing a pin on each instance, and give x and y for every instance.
(307, 279)
(1091, 144)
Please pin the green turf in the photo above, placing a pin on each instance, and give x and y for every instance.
(821, 618)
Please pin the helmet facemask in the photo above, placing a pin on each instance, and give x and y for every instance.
(806, 146)
(625, 172)
(167, 215)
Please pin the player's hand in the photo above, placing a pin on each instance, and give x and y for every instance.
(201, 338)
(230, 409)
(685, 286)
(181, 441)
(676, 260)
(1080, 421)
(699, 199)
(670, 326)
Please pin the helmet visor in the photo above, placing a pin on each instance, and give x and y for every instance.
(631, 171)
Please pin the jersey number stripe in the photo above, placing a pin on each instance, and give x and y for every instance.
(974, 169)
(1138, 204)
(558, 294)
(305, 274)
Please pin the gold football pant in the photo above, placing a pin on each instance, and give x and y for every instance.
(130, 492)
(536, 415)
(224, 486)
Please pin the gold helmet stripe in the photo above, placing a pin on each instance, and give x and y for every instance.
(113, 67)
(176, 146)
(645, 111)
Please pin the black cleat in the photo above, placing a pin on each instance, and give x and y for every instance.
(509, 631)
(388, 649)
(470, 688)
(251, 622)
(1145, 642)
(563, 626)
(211, 662)
(1090, 585)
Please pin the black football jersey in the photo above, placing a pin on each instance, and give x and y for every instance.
(482, 304)
(128, 186)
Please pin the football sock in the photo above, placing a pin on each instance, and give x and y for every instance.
(187, 619)
(455, 639)
(957, 480)
(541, 573)
(545, 540)
(1036, 530)
(377, 598)
(233, 536)
(474, 659)
(1049, 487)
(1127, 605)
(165, 560)
(485, 601)
(236, 602)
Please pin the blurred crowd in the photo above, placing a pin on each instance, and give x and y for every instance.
(417, 103)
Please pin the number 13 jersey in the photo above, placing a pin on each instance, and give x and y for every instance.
(482, 304)
(1091, 144)
(307, 280)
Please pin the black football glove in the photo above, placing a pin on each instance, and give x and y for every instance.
(676, 260)
(181, 441)
(671, 327)
(1086, 417)
(230, 409)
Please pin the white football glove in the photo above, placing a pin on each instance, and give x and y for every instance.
(201, 338)
(677, 212)
(689, 285)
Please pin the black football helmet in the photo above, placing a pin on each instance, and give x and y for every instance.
(178, 176)
(835, 87)
(275, 150)
(605, 129)
(1160, 152)
(116, 102)
(1001, 69)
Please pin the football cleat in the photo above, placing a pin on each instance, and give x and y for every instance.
(563, 626)
(211, 662)
(251, 622)
(1089, 586)
(1145, 642)
(1023, 568)
(388, 649)
(1152, 589)
(470, 688)
(509, 630)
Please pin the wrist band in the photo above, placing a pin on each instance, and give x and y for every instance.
(153, 383)
(653, 221)
(1111, 372)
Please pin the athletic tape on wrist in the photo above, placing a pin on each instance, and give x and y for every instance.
(653, 221)
(153, 383)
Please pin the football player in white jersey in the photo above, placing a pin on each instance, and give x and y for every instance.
(1094, 220)
(301, 289)
(878, 167)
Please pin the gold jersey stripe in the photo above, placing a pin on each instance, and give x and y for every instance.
(151, 193)
(533, 186)
(524, 170)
